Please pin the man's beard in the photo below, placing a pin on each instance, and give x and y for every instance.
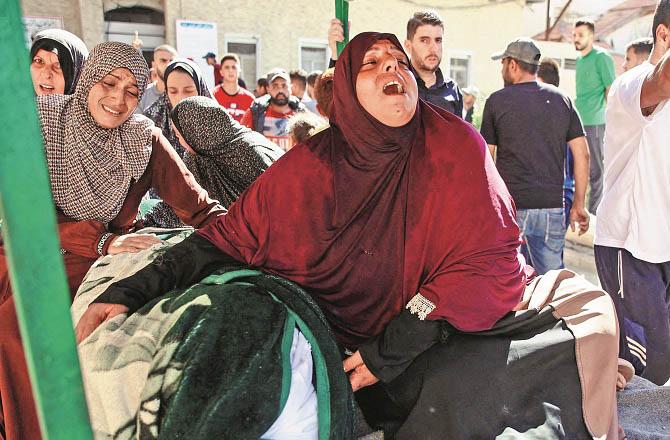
(280, 99)
(161, 75)
(579, 46)
(423, 66)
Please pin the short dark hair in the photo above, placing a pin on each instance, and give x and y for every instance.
(323, 92)
(641, 46)
(526, 67)
(312, 77)
(588, 22)
(230, 56)
(303, 125)
(300, 75)
(661, 16)
(549, 71)
(422, 18)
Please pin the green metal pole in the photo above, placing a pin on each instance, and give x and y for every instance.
(342, 14)
(31, 243)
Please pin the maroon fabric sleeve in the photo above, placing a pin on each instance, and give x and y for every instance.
(82, 237)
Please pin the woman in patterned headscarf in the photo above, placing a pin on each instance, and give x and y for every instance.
(57, 57)
(224, 156)
(102, 159)
(183, 78)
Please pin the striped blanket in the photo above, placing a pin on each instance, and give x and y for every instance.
(210, 361)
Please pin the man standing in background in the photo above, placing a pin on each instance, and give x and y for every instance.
(528, 124)
(637, 52)
(210, 57)
(632, 233)
(595, 75)
(269, 114)
(229, 94)
(425, 34)
(299, 88)
(163, 55)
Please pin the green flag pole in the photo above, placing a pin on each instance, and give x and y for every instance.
(342, 14)
(31, 243)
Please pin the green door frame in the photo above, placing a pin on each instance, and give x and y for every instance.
(31, 244)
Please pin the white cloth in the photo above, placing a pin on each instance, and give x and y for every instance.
(636, 195)
(298, 420)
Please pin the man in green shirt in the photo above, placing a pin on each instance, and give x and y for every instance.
(595, 75)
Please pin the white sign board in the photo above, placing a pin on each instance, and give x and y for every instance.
(194, 40)
(32, 25)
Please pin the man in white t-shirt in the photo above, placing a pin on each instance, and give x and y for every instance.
(633, 229)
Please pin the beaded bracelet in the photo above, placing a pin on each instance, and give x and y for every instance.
(103, 240)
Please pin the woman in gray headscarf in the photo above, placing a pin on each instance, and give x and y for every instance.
(183, 78)
(102, 159)
(57, 58)
(224, 156)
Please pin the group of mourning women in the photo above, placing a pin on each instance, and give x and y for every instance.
(394, 219)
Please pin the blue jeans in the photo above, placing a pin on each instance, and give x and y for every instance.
(543, 233)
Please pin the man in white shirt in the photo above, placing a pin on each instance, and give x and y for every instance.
(633, 229)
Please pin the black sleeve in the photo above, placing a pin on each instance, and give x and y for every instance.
(488, 130)
(180, 266)
(404, 338)
(458, 104)
(576, 128)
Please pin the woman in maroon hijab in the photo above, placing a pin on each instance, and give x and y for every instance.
(397, 223)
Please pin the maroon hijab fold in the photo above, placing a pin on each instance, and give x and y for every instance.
(366, 216)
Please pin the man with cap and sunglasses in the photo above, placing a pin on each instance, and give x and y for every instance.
(526, 125)
(210, 57)
(269, 113)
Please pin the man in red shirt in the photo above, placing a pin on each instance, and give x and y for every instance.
(269, 113)
(229, 94)
(210, 57)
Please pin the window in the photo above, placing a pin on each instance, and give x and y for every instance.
(459, 69)
(247, 50)
(570, 64)
(313, 55)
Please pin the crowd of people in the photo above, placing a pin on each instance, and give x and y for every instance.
(368, 186)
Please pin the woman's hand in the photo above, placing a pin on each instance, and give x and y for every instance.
(132, 243)
(359, 375)
(96, 314)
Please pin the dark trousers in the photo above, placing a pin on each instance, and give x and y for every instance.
(595, 135)
(641, 295)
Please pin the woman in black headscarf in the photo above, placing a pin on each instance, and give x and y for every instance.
(224, 156)
(183, 78)
(57, 57)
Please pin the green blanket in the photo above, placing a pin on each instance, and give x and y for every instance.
(211, 361)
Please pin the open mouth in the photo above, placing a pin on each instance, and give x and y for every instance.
(393, 88)
(46, 88)
(109, 110)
